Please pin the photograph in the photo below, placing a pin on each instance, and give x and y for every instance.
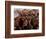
(25, 19)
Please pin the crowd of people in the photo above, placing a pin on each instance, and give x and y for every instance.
(27, 19)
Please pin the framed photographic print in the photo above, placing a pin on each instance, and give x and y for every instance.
(24, 19)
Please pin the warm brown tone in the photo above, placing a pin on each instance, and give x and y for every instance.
(27, 19)
(8, 26)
